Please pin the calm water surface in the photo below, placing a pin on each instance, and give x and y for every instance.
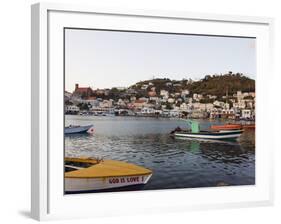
(176, 163)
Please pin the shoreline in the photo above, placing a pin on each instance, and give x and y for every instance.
(163, 117)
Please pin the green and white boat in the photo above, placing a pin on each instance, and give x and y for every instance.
(196, 133)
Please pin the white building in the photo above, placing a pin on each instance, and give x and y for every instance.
(212, 97)
(177, 85)
(171, 100)
(239, 96)
(240, 104)
(184, 107)
(154, 98)
(207, 106)
(121, 103)
(71, 109)
(246, 114)
(219, 103)
(106, 103)
(147, 110)
(164, 93)
(184, 92)
(195, 96)
(144, 99)
(144, 86)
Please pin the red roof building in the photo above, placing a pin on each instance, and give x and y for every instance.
(83, 92)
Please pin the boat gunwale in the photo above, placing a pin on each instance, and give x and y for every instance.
(96, 162)
(104, 177)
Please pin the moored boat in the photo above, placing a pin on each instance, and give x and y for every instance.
(195, 132)
(71, 129)
(90, 174)
(218, 135)
(226, 127)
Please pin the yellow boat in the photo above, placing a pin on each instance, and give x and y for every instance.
(91, 174)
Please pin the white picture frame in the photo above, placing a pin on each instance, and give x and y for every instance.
(48, 200)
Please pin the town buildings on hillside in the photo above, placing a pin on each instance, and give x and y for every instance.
(150, 101)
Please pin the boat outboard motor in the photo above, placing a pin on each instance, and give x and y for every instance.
(177, 129)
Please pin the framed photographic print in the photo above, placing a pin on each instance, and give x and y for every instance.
(148, 111)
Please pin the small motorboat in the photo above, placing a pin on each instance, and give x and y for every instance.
(195, 132)
(226, 127)
(71, 129)
(92, 174)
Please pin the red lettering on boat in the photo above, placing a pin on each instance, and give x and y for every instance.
(132, 179)
(114, 181)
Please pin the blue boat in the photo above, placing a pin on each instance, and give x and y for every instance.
(71, 129)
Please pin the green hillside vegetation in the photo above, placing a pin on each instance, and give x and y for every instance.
(220, 84)
(217, 85)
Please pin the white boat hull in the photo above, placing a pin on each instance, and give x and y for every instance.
(95, 184)
(228, 136)
(79, 129)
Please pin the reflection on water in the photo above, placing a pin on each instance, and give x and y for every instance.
(175, 162)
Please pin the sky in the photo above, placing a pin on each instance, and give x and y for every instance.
(106, 59)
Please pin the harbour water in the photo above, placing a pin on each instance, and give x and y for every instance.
(176, 163)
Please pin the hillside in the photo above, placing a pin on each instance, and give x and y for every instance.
(220, 84)
(210, 85)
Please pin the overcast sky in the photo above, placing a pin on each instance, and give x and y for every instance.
(106, 59)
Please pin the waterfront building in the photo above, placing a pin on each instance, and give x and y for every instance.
(174, 113)
(240, 104)
(216, 113)
(106, 103)
(228, 113)
(90, 100)
(71, 109)
(246, 114)
(147, 110)
(139, 103)
(207, 106)
(219, 103)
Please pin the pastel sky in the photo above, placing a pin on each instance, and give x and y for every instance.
(106, 59)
